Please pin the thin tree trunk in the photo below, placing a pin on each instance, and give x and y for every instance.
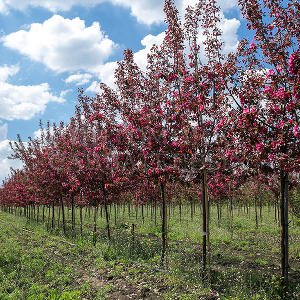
(163, 225)
(63, 214)
(95, 225)
(191, 203)
(38, 212)
(58, 218)
(256, 217)
(180, 210)
(73, 214)
(284, 227)
(205, 222)
(155, 214)
(106, 212)
(43, 219)
(52, 225)
(219, 214)
(115, 211)
(80, 215)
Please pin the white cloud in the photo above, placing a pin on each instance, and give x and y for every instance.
(21, 101)
(5, 163)
(147, 12)
(106, 73)
(24, 102)
(140, 57)
(3, 7)
(225, 5)
(6, 71)
(3, 132)
(94, 87)
(38, 133)
(79, 79)
(63, 44)
(65, 92)
(229, 29)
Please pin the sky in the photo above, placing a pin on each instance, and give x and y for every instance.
(50, 48)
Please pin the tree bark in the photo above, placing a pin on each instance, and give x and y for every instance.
(95, 225)
(63, 214)
(205, 226)
(163, 225)
(284, 226)
(106, 212)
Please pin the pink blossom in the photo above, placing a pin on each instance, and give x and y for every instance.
(246, 110)
(296, 131)
(293, 62)
(280, 93)
(270, 73)
(252, 45)
(259, 146)
(189, 79)
(271, 156)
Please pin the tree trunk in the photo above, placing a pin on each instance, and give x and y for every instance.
(106, 212)
(115, 211)
(63, 214)
(284, 226)
(255, 208)
(163, 225)
(38, 212)
(95, 225)
(43, 218)
(191, 203)
(73, 214)
(52, 224)
(205, 222)
(80, 215)
(180, 210)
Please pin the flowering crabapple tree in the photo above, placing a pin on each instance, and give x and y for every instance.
(173, 112)
(266, 95)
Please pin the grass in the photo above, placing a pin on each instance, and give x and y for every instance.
(245, 260)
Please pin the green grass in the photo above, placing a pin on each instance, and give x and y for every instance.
(244, 260)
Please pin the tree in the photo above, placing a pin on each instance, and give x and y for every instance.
(266, 116)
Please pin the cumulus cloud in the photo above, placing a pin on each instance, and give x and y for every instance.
(65, 92)
(229, 29)
(38, 133)
(3, 132)
(148, 41)
(94, 87)
(106, 73)
(5, 163)
(7, 71)
(79, 79)
(63, 44)
(225, 5)
(146, 12)
(21, 101)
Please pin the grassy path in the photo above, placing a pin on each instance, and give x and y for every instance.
(34, 264)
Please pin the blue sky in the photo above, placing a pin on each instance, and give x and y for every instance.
(50, 48)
